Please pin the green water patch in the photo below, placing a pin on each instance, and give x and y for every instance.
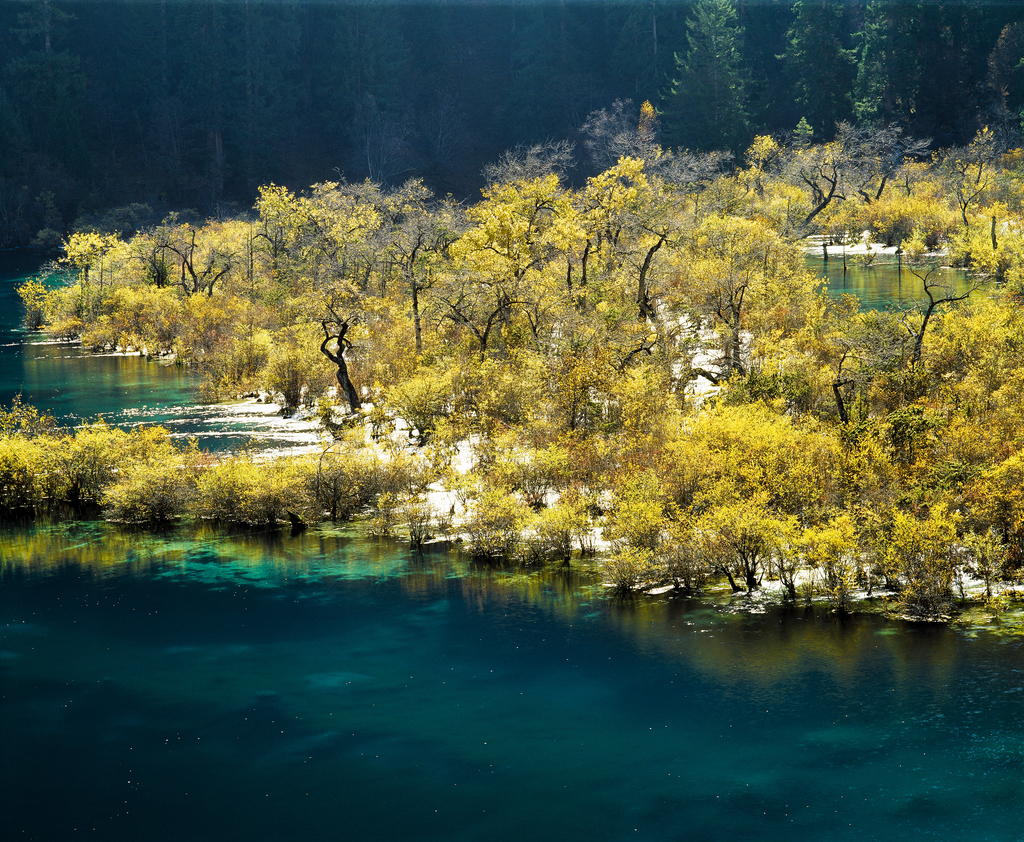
(76, 386)
(880, 283)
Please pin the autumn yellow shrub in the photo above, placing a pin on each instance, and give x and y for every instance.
(919, 555)
(630, 569)
(245, 491)
(156, 490)
(556, 529)
(532, 472)
(494, 523)
(19, 458)
(896, 217)
(829, 551)
(422, 400)
(145, 318)
(33, 297)
(295, 368)
(639, 518)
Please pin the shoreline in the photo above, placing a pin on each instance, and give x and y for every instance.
(819, 246)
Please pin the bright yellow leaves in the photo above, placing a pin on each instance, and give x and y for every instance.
(732, 272)
(831, 551)
(919, 555)
(90, 250)
(559, 330)
(997, 502)
(647, 128)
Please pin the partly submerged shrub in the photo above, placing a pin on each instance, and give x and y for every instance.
(43, 469)
(242, 490)
(639, 518)
(688, 560)
(420, 520)
(630, 569)
(386, 513)
(346, 478)
(494, 524)
(155, 491)
(919, 556)
(555, 530)
(18, 487)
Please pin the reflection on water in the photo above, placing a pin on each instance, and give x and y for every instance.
(323, 685)
(74, 385)
(881, 283)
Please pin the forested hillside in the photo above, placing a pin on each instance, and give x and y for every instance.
(169, 105)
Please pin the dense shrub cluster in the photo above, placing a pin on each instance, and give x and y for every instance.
(645, 355)
(145, 477)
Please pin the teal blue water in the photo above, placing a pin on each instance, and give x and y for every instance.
(74, 385)
(325, 686)
(880, 284)
(62, 378)
(266, 686)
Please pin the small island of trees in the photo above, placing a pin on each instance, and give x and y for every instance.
(644, 356)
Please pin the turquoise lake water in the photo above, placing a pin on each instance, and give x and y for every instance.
(74, 385)
(267, 686)
(880, 284)
(326, 686)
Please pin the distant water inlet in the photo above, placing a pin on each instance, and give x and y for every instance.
(881, 282)
(75, 385)
(323, 686)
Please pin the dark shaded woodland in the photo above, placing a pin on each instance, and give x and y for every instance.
(150, 107)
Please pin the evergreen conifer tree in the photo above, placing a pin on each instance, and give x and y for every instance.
(707, 104)
(819, 70)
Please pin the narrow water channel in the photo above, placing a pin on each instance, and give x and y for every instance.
(74, 385)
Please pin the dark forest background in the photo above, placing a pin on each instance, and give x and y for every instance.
(148, 107)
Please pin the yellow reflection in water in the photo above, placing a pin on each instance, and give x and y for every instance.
(783, 645)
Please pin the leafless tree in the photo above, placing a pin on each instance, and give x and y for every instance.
(528, 162)
(859, 162)
(444, 132)
(380, 141)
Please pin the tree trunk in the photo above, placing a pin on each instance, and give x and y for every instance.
(646, 311)
(837, 387)
(347, 388)
(416, 317)
(915, 357)
(750, 575)
(732, 582)
(344, 381)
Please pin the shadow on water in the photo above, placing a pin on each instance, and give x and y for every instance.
(239, 685)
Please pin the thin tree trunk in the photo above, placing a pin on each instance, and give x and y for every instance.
(416, 318)
(344, 381)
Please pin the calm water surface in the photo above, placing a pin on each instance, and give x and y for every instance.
(325, 686)
(881, 284)
(74, 385)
